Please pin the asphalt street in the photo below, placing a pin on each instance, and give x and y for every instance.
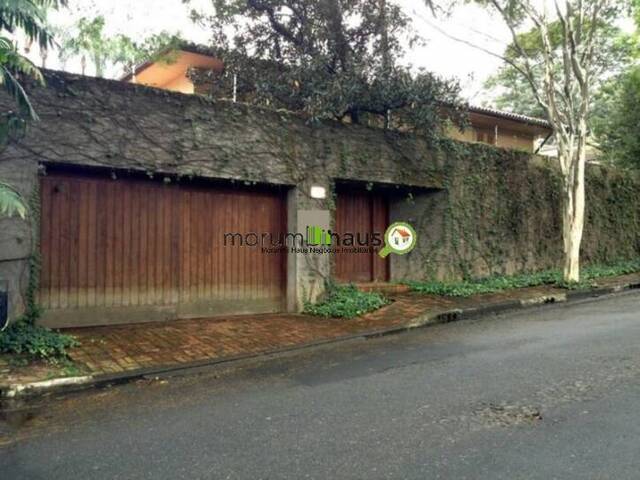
(547, 393)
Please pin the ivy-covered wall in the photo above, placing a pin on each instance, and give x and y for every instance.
(478, 209)
(500, 212)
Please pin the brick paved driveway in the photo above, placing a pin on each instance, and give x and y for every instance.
(118, 348)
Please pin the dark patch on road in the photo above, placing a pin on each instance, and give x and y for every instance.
(505, 415)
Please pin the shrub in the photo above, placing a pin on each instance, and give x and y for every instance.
(619, 268)
(466, 288)
(22, 337)
(346, 301)
(493, 284)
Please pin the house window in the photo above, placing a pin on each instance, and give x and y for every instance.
(486, 136)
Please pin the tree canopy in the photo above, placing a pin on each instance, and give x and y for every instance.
(331, 59)
(88, 40)
(616, 115)
(29, 18)
(613, 53)
(618, 126)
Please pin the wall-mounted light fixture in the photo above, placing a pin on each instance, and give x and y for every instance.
(318, 192)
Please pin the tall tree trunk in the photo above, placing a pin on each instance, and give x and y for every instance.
(384, 37)
(99, 62)
(386, 54)
(564, 93)
(336, 26)
(574, 157)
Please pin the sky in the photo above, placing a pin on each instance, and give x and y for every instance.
(440, 54)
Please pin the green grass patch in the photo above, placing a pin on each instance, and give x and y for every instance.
(346, 301)
(24, 338)
(467, 288)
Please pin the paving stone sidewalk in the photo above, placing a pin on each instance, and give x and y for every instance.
(128, 348)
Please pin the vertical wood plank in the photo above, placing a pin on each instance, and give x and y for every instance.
(65, 250)
(175, 245)
(166, 236)
(228, 254)
(110, 205)
(82, 284)
(143, 242)
(159, 244)
(200, 255)
(92, 247)
(102, 220)
(152, 242)
(193, 259)
(186, 245)
(217, 240)
(45, 242)
(208, 228)
(133, 280)
(125, 284)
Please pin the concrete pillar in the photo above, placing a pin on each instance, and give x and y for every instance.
(306, 272)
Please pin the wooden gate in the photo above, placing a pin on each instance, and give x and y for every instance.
(119, 251)
(361, 212)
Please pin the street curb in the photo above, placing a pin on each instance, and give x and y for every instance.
(34, 388)
(70, 384)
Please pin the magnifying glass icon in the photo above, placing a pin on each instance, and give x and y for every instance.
(400, 238)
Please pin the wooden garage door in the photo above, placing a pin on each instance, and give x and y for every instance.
(361, 212)
(128, 243)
